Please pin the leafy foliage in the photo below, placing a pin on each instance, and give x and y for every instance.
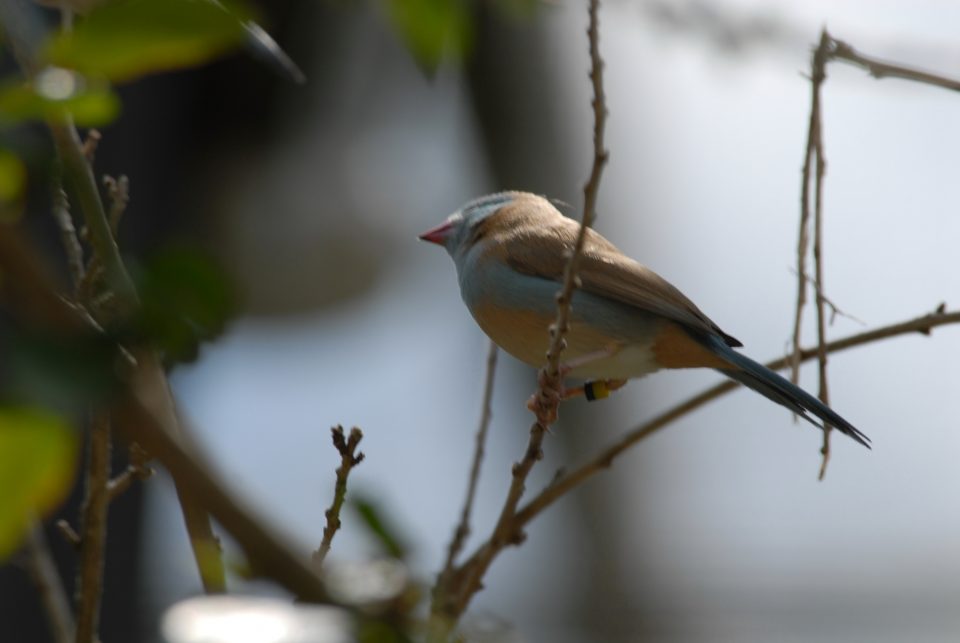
(128, 39)
(186, 300)
(13, 180)
(54, 370)
(54, 93)
(432, 29)
(385, 532)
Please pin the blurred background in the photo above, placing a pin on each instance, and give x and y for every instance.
(714, 530)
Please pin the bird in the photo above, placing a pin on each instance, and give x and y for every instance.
(626, 321)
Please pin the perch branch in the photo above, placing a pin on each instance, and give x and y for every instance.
(466, 579)
(565, 482)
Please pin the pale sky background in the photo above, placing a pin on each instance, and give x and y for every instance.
(737, 534)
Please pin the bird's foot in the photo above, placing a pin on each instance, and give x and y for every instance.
(550, 393)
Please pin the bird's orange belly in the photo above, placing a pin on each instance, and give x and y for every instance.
(525, 335)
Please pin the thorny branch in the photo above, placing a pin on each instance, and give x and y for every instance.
(814, 168)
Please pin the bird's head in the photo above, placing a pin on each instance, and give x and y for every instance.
(458, 232)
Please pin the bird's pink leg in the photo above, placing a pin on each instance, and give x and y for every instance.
(544, 405)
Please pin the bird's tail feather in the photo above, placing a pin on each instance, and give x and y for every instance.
(777, 388)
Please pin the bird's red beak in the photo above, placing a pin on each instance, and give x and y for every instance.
(439, 234)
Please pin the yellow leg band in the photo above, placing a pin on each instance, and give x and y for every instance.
(596, 390)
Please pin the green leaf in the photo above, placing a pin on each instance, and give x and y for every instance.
(13, 180)
(67, 372)
(432, 29)
(127, 39)
(54, 93)
(38, 458)
(385, 533)
(186, 299)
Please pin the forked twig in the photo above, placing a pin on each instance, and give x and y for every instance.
(349, 458)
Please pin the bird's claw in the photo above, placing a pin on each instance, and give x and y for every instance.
(546, 400)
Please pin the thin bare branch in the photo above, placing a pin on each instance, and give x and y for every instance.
(817, 135)
(90, 145)
(462, 531)
(118, 191)
(467, 579)
(68, 532)
(817, 76)
(563, 483)
(93, 527)
(349, 458)
(31, 297)
(68, 232)
(879, 69)
(137, 469)
(45, 576)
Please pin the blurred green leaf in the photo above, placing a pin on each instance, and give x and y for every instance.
(186, 299)
(38, 455)
(385, 533)
(518, 9)
(127, 39)
(55, 92)
(57, 371)
(432, 29)
(13, 180)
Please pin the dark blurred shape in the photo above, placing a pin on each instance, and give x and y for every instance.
(185, 300)
(731, 31)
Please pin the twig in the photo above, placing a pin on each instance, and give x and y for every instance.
(835, 310)
(68, 232)
(90, 145)
(840, 50)
(565, 482)
(80, 176)
(45, 576)
(137, 469)
(68, 532)
(462, 532)
(93, 526)
(551, 372)
(466, 580)
(486, 414)
(118, 189)
(829, 49)
(817, 135)
(349, 458)
(29, 295)
(265, 551)
(817, 76)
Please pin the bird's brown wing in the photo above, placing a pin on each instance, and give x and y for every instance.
(538, 245)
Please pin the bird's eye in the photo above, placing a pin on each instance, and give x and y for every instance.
(477, 233)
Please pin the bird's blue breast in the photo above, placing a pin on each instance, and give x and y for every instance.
(516, 310)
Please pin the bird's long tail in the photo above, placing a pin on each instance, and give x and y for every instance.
(777, 388)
